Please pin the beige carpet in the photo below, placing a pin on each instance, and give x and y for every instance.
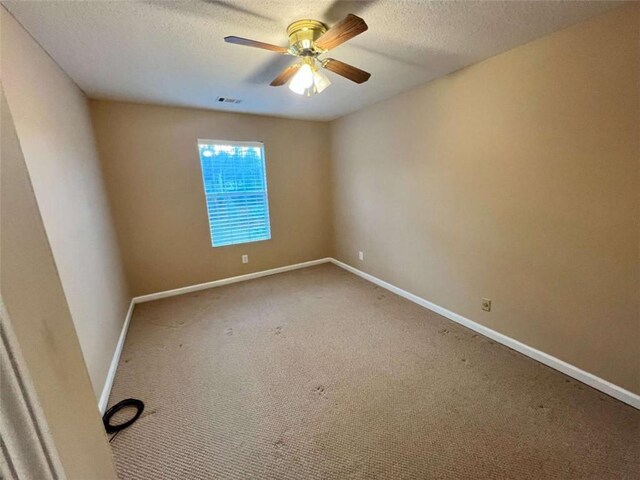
(318, 374)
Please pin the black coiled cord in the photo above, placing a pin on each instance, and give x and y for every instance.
(116, 429)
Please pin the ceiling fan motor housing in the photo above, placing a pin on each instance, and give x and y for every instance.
(302, 37)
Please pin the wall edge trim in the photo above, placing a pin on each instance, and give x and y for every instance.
(583, 376)
(106, 391)
(226, 281)
(111, 374)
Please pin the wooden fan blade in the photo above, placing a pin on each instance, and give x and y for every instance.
(347, 71)
(284, 76)
(344, 30)
(253, 43)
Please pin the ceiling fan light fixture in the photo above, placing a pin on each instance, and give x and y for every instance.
(302, 80)
(308, 80)
(308, 39)
(320, 81)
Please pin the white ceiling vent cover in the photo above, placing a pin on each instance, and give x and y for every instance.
(228, 100)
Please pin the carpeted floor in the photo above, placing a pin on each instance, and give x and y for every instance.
(318, 374)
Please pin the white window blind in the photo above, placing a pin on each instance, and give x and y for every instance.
(235, 186)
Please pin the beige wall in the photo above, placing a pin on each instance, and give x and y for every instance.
(52, 120)
(152, 168)
(33, 296)
(516, 179)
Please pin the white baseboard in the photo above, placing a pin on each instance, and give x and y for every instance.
(227, 281)
(106, 391)
(598, 383)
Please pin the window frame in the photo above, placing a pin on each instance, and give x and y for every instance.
(235, 143)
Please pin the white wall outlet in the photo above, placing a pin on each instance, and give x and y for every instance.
(361, 255)
(486, 304)
(245, 258)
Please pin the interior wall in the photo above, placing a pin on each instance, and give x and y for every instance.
(51, 116)
(516, 179)
(152, 168)
(32, 294)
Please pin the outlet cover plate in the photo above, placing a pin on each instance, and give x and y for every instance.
(486, 304)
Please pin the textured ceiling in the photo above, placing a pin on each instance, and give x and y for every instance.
(174, 53)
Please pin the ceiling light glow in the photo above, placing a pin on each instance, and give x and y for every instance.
(308, 80)
(302, 80)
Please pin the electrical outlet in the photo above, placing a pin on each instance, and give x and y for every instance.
(245, 258)
(361, 255)
(486, 304)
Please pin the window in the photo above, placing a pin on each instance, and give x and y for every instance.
(235, 186)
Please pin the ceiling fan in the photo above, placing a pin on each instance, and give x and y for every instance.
(308, 39)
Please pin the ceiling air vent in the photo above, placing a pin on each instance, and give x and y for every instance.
(228, 100)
